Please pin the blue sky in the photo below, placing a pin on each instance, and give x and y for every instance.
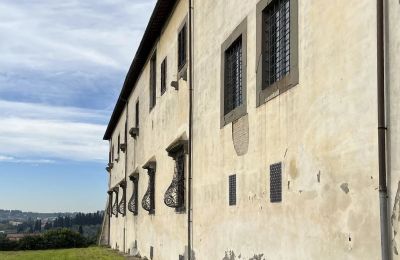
(61, 69)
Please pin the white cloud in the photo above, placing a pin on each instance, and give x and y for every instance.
(32, 133)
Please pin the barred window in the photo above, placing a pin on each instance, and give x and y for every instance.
(148, 202)
(153, 79)
(276, 23)
(119, 145)
(182, 52)
(174, 197)
(115, 205)
(233, 76)
(133, 202)
(163, 76)
(122, 203)
(277, 48)
(232, 190)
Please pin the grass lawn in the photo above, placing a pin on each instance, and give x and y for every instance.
(60, 254)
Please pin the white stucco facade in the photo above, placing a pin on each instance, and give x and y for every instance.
(323, 131)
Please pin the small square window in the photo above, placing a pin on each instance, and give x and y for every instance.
(232, 190)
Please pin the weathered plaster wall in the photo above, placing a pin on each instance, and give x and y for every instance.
(393, 97)
(166, 230)
(324, 131)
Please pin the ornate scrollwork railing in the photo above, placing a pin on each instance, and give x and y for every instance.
(109, 208)
(148, 198)
(175, 194)
(115, 206)
(133, 202)
(122, 203)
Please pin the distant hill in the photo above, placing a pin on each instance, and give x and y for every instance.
(18, 215)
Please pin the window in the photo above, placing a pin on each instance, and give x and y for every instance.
(277, 47)
(233, 75)
(163, 76)
(153, 79)
(122, 203)
(137, 114)
(232, 190)
(133, 202)
(115, 206)
(148, 202)
(174, 197)
(110, 198)
(275, 183)
(119, 145)
(182, 52)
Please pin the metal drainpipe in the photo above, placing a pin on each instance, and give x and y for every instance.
(190, 221)
(383, 194)
(126, 169)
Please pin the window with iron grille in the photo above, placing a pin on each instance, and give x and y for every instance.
(148, 202)
(122, 204)
(137, 114)
(232, 190)
(182, 52)
(133, 202)
(277, 33)
(276, 49)
(164, 76)
(153, 79)
(275, 182)
(174, 197)
(233, 75)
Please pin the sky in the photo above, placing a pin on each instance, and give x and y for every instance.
(62, 66)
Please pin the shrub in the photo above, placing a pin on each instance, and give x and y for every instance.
(53, 239)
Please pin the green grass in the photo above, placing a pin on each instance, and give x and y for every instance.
(61, 254)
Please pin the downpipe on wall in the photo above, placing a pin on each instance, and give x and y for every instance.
(383, 192)
(190, 210)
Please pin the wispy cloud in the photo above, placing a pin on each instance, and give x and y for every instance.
(57, 51)
(44, 133)
(9, 159)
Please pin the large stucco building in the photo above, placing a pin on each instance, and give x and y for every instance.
(249, 130)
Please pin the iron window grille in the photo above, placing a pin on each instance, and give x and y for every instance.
(182, 52)
(174, 197)
(232, 190)
(133, 202)
(163, 76)
(122, 203)
(276, 41)
(275, 182)
(115, 206)
(233, 95)
(148, 202)
(153, 79)
(110, 198)
(119, 145)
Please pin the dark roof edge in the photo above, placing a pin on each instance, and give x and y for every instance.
(158, 19)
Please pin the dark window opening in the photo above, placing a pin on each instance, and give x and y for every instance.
(174, 197)
(133, 202)
(276, 41)
(275, 182)
(233, 76)
(119, 145)
(153, 79)
(115, 206)
(122, 203)
(182, 52)
(232, 190)
(164, 76)
(137, 114)
(148, 202)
